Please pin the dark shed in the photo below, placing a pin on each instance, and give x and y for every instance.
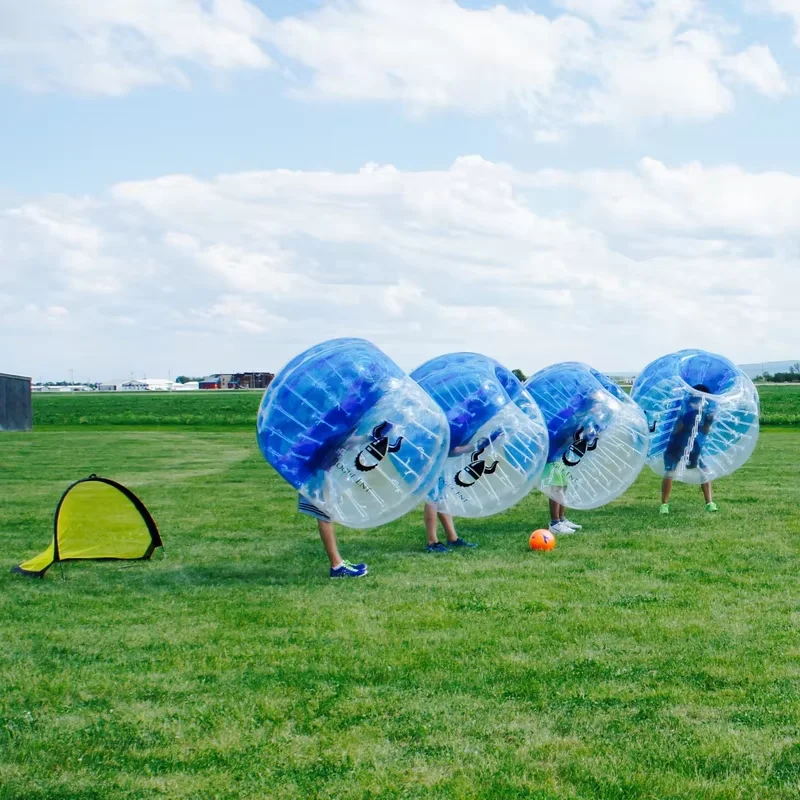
(16, 412)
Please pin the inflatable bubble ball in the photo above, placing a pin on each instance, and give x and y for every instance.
(598, 436)
(498, 437)
(352, 433)
(702, 412)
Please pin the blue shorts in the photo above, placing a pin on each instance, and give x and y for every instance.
(305, 506)
(676, 450)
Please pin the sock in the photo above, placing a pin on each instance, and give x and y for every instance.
(554, 522)
(340, 564)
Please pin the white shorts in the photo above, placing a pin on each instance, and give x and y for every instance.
(305, 506)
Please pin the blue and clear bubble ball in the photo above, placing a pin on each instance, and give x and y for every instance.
(498, 437)
(347, 428)
(703, 414)
(598, 436)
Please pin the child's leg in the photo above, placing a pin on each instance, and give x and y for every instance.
(666, 489)
(328, 536)
(449, 527)
(555, 511)
(431, 523)
(706, 487)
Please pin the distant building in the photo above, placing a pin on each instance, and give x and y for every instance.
(61, 388)
(16, 409)
(251, 380)
(237, 380)
(108, 387)
(189, 386)
(148, 385)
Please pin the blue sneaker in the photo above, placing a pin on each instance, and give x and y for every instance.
(348, 570)
(461, 543)
(437, 548)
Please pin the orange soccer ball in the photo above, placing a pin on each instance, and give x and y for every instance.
(542, 540)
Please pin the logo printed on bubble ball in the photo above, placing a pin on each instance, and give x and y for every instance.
(378, 447)
(579, 447)
(477, 468)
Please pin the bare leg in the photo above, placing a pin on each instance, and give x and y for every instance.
(666, 489)
(326, 533)
(706, 487)
(555, 510)
(449, 527)
(431, 522)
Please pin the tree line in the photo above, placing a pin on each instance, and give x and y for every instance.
(792, 376)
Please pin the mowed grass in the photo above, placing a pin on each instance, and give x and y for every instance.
(204, 409)
(646, 657)
(780, 405)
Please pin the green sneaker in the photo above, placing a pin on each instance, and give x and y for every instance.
(664, 508)
(711, 507)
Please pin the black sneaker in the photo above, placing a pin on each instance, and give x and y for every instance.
(461, 543)
(437, 548)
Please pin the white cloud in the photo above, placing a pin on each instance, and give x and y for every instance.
(756, 67)
(113, 46)
(544, 136)
(433, 54)
(694, 200)
(790, 8)
(245, 270)
(610, 62)
(618, 62)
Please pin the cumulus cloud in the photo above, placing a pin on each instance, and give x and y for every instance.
(609, 62)
(790, 8)
(113, 46)
(617, 62)
(244, 270)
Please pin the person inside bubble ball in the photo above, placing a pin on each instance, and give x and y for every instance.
(432, 519)
(339, 567)
(433, 516)
(556, 479)
(693, 419)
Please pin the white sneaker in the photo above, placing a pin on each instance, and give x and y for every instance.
(561, 528)
(573, 525)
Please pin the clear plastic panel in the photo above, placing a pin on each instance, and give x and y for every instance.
(703, 415)
(347, 429)
(498, 437)
(598, 437)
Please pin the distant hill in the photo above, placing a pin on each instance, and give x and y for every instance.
(752, 370)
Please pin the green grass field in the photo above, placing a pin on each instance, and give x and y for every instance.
(780, 405)
(646, 657)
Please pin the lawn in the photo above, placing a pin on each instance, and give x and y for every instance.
(780, 405)
(647, 657)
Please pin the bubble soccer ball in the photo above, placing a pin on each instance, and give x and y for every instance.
(351, 432)
(703, 415)
(542, 540)
(598, 435)
(498, 437)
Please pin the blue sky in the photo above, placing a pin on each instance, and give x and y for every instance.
(595, 165)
